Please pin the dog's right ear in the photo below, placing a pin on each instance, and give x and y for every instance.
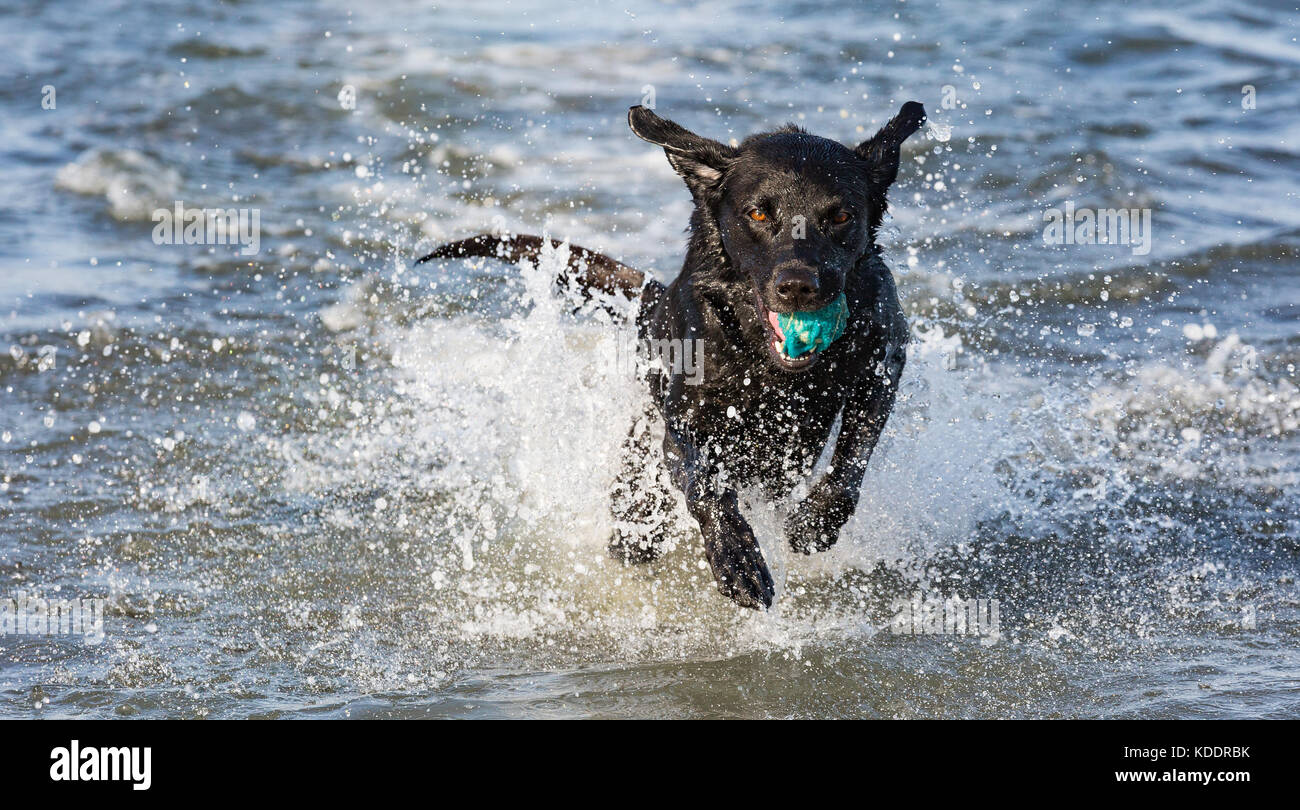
(700, 161)
(881, 153)
(881, 150)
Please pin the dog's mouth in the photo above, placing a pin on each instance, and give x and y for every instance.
(776, 340)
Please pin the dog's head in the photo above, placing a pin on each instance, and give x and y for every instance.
(794, 212)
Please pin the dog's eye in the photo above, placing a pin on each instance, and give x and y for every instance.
(841, 217)
(757, 215)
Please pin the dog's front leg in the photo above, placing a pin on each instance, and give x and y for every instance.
(816, 522)
(729, 544)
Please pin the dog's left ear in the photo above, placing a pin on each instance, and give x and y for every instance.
(881, 150)
(700, 161)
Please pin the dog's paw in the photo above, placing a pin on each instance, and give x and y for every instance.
(737, 562)
(816, 522)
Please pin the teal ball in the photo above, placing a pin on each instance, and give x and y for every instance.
(808, 331)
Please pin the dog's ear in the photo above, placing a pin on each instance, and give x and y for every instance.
(881, 150)
(700, 161)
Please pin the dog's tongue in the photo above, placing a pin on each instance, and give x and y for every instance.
(775, 320)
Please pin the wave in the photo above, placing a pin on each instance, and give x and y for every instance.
(132, 184)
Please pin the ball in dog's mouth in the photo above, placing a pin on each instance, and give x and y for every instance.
(799, 338)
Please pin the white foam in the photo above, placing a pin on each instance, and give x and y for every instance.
(134, 185)
(1226, 393)
(515, 428)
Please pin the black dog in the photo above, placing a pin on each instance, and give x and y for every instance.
(785, 222)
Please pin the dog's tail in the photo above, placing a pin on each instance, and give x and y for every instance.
(588, 270)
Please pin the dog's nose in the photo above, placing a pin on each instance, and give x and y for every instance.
(796, 288)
